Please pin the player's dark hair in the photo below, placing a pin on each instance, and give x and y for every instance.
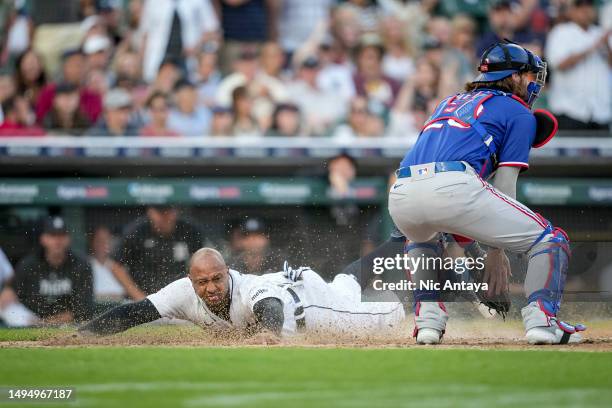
(507, 84)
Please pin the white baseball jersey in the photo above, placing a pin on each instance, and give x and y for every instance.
(332, 306)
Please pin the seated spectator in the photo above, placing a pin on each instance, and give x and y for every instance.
(115, 120)
(222, 121)
(320, 108)
(168, 75)
(266, 91)
(362, 122)
(18, 118)
(272, 60)
(286, 121)
(73, 72)
(111, 282)
(30, 77)
(244, 123)
(251, 249)
(157, 107)
(188, 118)
(398, 62)
(580, 56)
(208, 76)
(97, 50)
(370, 81)
(55, 282)
(65, 118)
(12, 312)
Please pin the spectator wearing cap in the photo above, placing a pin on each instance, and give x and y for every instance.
(156, 248)
(580, 57)
(116, 118)
(286, 121)
(370, 81)
(222, 121)
(208, 76)
(18, 118)
(73, 72)
(65, 118)
(54, 281)
(320, 108)
(246, 23)
(361, 122)
(97, 50)
(188, 118)
(158, 107)
(251, 248)
(175, 29)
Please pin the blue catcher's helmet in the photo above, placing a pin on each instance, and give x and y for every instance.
(504, 59)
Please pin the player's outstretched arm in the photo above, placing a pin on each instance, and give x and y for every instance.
(269, 314)
(122, 318)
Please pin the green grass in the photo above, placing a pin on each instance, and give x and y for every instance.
(320, 377)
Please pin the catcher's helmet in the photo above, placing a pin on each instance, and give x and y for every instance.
(504, 59)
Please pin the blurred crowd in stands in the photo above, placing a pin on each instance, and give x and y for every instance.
(342, 69)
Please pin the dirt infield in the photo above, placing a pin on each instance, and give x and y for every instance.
(493, 334)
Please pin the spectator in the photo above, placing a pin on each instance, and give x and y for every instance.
(188, 118)
(30, 76)
(425, 88)
(18, 118)
(116, 118)
(579, 53)
(252, 252)
(222, 121)
(286, 121)
(55, 282)
(73, 72)
(244, 122)
(320, 108)
(12, 312)
(298, 19)
(504, 23)
(167, 77)
(65, 118)
(97, 50)
(111, 282)
(157, 105)
(369, 78)
(398, 62)
(362, 122)
(156, 248)
(266, 91)
(208, 76)
(272, 60)
(245, 23)
(175, 30)
(128, 70)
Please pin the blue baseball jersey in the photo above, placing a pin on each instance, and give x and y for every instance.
(509, 125)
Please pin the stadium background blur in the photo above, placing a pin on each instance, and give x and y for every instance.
(271, 126)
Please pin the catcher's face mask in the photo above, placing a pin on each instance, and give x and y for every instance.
(538, 67)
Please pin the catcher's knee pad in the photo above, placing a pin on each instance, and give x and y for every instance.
(548, 263)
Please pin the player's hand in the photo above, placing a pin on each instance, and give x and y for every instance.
(264, 338)
(497, 272)
(294, 275)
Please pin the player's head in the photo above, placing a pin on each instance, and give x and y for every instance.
(209, 277)
(511, 68)
(55, 238)
(163, 218)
